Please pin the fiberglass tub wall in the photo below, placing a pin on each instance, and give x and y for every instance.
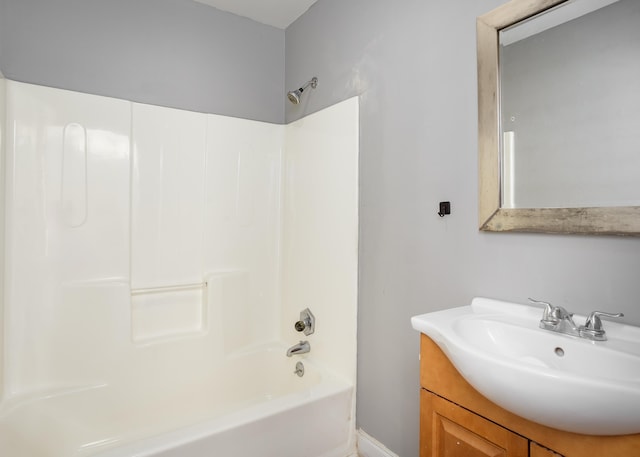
(74, 264)
(92, 302)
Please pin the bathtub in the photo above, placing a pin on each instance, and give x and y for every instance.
(251, 405)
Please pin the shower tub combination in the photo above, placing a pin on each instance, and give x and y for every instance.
(155, 262)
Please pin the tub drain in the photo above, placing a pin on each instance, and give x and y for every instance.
(299, 369)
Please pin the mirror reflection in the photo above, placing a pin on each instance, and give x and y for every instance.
(570, 107)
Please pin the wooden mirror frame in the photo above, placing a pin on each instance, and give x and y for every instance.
(622, 220)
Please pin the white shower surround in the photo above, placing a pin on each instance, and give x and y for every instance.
(148, 248)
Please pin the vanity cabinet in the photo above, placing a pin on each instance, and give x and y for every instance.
(457, 421)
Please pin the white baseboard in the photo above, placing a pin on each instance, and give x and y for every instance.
(368, 446)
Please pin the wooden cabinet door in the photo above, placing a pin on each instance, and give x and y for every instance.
(447, 430)
(535, 450)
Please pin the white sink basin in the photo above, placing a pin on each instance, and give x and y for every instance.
(561, 381)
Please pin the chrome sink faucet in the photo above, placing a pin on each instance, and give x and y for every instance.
(558, 319)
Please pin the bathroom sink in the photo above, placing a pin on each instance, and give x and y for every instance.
(557, 380)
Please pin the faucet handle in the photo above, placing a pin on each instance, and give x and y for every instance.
(593, 328)
(548, 307)
(555, 318)
(307, 322)
(551, 314)
(593, 320)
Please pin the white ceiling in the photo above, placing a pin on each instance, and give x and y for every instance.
(278, 13)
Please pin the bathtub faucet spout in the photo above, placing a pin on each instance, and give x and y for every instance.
(301, 348)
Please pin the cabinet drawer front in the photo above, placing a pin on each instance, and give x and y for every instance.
(451, 431)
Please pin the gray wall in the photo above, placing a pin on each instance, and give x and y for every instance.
(414, 65)
(176, 53)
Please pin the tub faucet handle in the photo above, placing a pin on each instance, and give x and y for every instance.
(307, 322)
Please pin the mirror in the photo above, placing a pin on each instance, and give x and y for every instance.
(559, 116)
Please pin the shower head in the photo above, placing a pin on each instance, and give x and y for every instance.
(294, 95)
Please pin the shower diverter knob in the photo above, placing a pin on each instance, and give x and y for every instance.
(307, 322)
